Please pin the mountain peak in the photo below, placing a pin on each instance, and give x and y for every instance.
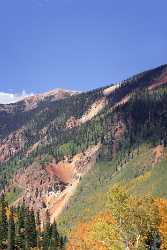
(54, 92)
(31, 102)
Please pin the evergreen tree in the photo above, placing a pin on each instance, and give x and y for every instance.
(30, 230)
(38, 226)
(55, 239)
(20, 227)
(11, 231)
(3, 222)
(33, 235)
(47, 233)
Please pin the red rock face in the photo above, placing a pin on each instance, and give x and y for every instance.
(11, 144)
(72, 123)
(49, 187)
(37, 183)
(62, 171)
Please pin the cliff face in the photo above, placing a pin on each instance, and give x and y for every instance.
(50, 141)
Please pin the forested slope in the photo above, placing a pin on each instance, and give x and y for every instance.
(74, 154)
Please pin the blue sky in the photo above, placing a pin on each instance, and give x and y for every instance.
(78, 44)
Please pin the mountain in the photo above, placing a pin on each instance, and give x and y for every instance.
(32, 102)
(61, 151)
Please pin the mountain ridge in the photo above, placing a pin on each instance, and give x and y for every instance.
(47, 152)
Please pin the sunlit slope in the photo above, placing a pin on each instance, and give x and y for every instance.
(143, 172)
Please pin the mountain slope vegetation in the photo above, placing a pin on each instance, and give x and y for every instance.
(67, 157)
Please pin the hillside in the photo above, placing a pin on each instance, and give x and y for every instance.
(140, 173)
(63, 154)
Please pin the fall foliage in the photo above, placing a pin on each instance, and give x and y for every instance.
(162, 207)
(128, 223)
(91, 235)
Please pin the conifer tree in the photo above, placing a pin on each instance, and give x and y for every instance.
(55, 239)
(38, 226)
(30, 230)
(47, 233)
(32, 225)
(11, 231)
(3, 221)
(20, 227)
